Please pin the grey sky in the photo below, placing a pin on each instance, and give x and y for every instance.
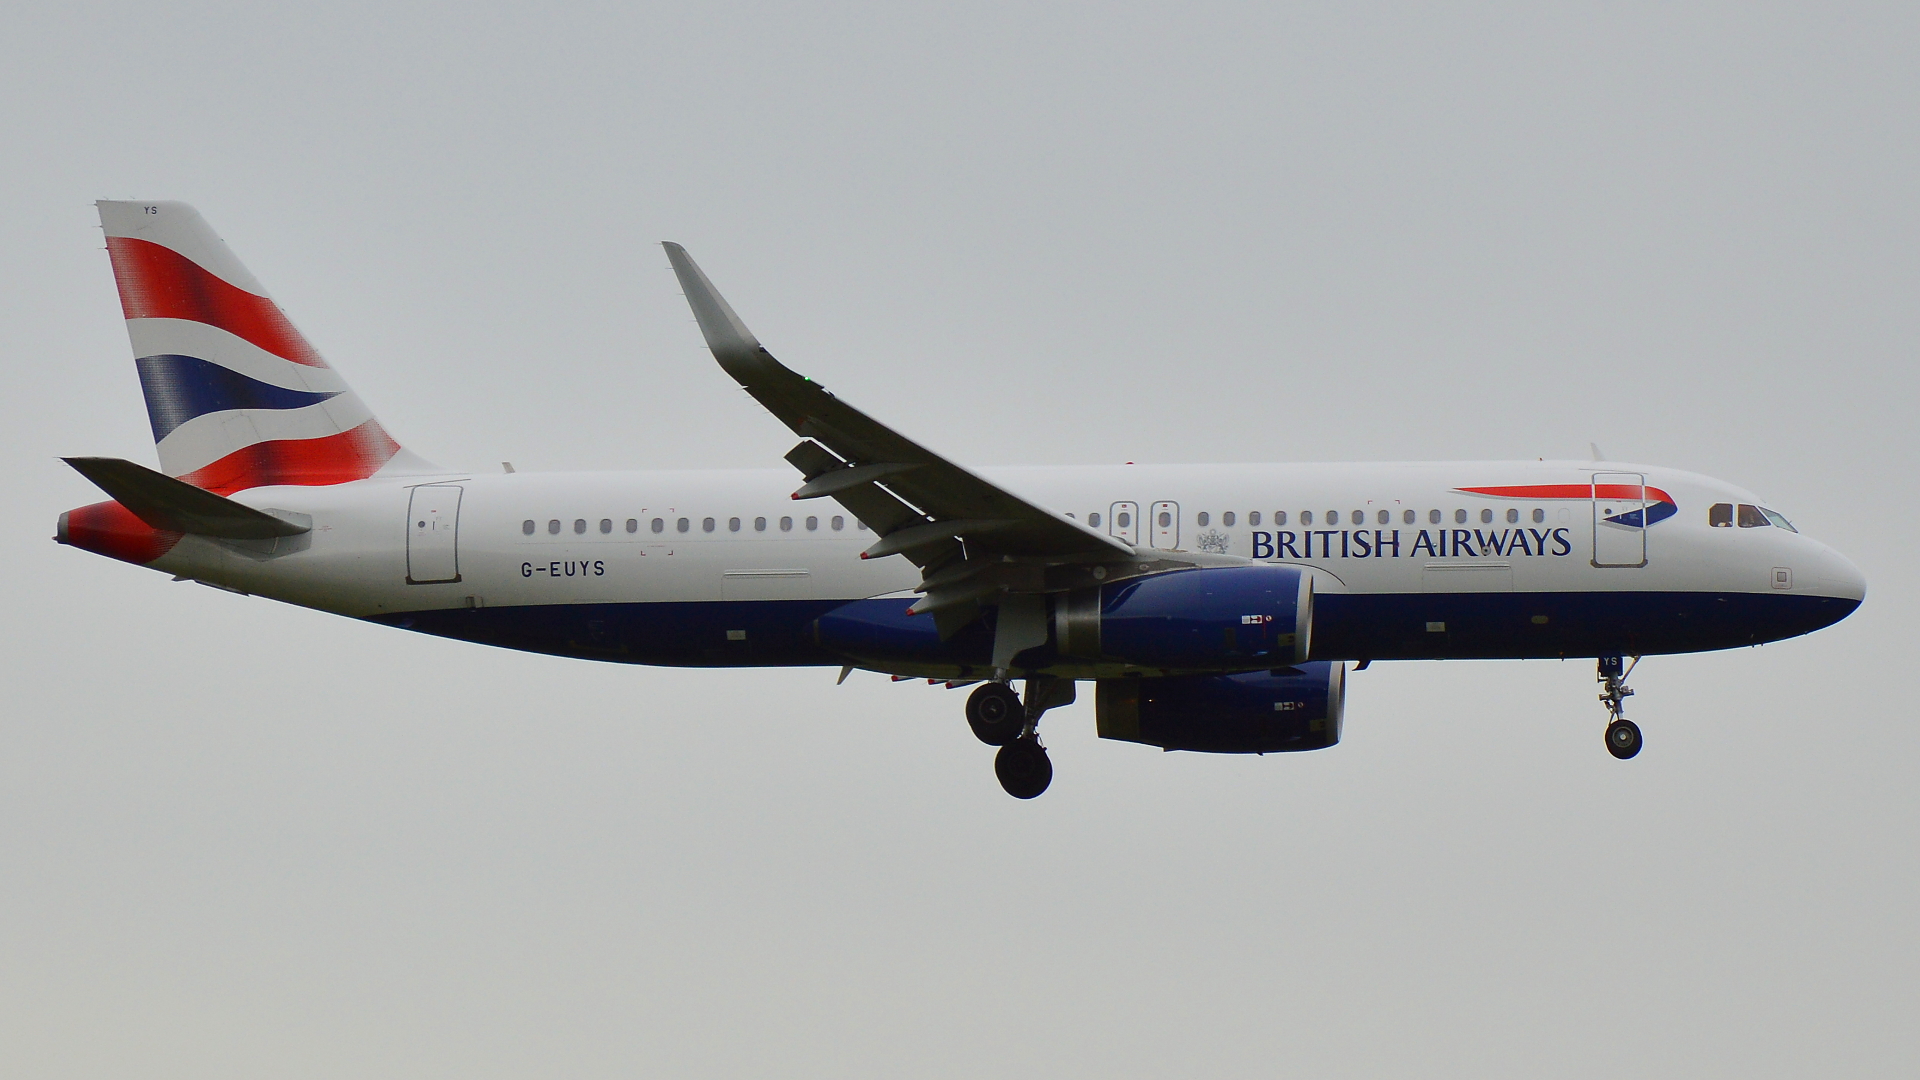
(238, 839)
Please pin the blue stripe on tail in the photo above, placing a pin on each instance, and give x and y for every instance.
(179, 388)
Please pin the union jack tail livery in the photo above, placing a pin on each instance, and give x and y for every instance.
(236, 396)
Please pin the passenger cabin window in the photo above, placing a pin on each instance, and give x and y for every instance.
(1720, 515)
(1093, 521)
(1199, 519)
(813, 523)
(1306, 517)
(553, 527)
(733, 524)
(1123, 519)
(1166, 520)
(706, 524)
(1279, 517)
(1386, 517)
(838, 523)
(1227, 519)
(633, 525)
(526, 527)
(1359, 517)
(1333, 517)
(1459, 517)
(1433, 517)
(1486, 516)
(1752, 518)
(606, 525)
(786, 524)
(659, 525)
(683, 524)
(1513, 516)
(1253, 517)
(1407, 518)
(759, 524)
(1539, 515)
(579, 525)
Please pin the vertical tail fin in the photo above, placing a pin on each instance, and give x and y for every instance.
(236, 396)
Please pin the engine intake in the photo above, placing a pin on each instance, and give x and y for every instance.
(1263, 712)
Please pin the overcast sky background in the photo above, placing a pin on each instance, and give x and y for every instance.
(239, 839)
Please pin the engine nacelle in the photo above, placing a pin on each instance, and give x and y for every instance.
(1218, 617)
(1263, 712)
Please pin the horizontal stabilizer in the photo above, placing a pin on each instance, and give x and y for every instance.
(177, 506)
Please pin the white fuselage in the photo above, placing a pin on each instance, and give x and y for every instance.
(678, 537)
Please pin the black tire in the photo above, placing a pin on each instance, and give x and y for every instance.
(995, 714)
(1023, 768)
(1623, 739)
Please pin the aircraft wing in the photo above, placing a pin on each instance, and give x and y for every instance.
(971, 538)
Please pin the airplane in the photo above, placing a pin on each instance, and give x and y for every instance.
(1214, 608)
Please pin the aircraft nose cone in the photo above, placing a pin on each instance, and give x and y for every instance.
(1843, 579)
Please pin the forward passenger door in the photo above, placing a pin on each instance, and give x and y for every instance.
(1619, 519)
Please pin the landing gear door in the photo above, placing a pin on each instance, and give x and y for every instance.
(1166, 526)
(433, 530)
(1123, 522)
(1619, 519)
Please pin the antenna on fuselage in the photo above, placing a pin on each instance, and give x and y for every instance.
(1597, 455)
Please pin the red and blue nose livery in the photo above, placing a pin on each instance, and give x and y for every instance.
(1639, 506)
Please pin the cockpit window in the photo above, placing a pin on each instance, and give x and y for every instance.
(1720, 515)
(1780, 521)
(1752, 518)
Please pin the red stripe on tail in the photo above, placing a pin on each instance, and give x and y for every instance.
(109, 529)
(334, 459)
(160, 283)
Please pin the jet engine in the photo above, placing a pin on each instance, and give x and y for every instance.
(1228, 618)
(1219, 617)
(1263, 712)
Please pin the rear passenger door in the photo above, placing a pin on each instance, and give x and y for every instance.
(433, 523)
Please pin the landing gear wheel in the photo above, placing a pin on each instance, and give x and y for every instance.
(1623, 738)
(1023, 768)
(995, 714)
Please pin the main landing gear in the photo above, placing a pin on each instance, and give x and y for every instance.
(1623, 735)
(995, 714)
(999, 718)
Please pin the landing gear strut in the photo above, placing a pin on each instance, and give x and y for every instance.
(999, 718)
(1623, 735)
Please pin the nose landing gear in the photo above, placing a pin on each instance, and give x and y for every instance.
(999, 718)
(1623, 735)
